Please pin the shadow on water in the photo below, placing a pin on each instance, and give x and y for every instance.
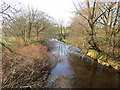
(72, 71)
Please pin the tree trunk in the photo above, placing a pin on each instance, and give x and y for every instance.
(29, 32)
(6, 47)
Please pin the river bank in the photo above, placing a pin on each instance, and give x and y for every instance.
(74, 71)
(101, 58)
(55, 64)
(27, 69)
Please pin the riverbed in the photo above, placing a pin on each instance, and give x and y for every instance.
(75, 70)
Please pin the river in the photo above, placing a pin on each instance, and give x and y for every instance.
(74, 71)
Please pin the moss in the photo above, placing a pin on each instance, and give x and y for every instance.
(63, 40)
(107, 64)
(93, 54)
(102, 57)
(114, 64)
(116, 67)
(99, 61)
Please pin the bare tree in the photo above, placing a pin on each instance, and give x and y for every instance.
(6, 13)
(89, 13)
(98, 23)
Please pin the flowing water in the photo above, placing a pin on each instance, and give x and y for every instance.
(75, 70)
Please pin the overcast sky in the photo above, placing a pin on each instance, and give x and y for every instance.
(58, 9)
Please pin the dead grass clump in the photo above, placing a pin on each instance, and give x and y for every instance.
(30, 69)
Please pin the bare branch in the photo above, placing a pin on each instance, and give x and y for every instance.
(5, 9)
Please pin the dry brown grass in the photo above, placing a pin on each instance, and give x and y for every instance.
(30, 69)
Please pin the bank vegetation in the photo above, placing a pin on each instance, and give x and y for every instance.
(95, 29)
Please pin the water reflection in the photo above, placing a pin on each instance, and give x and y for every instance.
(92, 75)
(61, 51)
(83, 72)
